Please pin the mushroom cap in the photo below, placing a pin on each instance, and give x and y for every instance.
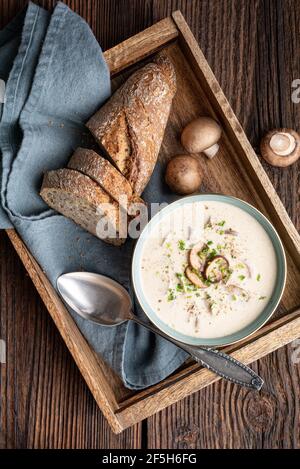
(215, 269)
(194, 278)
(195, 261)
(281, 147)
(200, 134)
(183, 174)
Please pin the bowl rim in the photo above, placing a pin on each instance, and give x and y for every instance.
(266, 313)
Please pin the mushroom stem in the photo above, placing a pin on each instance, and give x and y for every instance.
(212, 151)
(201, 136)
(281, 147)
(283, 144)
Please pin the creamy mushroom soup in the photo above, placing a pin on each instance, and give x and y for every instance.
(208, 269)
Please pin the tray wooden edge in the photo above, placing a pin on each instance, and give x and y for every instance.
(192, 379)
(143, 44)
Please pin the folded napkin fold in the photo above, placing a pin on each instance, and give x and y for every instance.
(56, 78)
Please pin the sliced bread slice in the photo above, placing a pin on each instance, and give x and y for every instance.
(82, 200)
(106, 175)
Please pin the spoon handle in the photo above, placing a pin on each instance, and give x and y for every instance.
(226, 366)
(219, 362)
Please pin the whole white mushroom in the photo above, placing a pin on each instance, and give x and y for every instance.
(202, 136)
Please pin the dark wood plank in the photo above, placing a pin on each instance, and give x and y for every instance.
(252, 46)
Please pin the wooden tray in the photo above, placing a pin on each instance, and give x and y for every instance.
(235, 171)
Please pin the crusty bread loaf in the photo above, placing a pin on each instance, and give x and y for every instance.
(80, 198)
(105, 174)
(131, 125)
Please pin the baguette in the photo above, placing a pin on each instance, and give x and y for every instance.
(106, 175)
(131, 125)
(81, 199)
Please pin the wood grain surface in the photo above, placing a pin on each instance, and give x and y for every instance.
(253, 48)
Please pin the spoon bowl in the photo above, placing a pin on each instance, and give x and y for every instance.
(95, 297)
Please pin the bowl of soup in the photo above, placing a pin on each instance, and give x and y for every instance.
(209, 270)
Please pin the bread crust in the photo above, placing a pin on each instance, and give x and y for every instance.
(78, 197)
(131, 125)
(105, 174)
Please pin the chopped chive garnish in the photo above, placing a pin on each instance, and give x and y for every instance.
(221, 232)
(258, 277)
(221, 223)
(181, 245)
(179, 287)
(234, 297)
(262, 297)
(190, 288)
(242, 277)
(209, 243)
(171, 295)
(212, 253)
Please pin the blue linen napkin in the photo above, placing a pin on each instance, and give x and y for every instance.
(56, 78)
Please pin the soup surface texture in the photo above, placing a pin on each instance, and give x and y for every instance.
(208, 269)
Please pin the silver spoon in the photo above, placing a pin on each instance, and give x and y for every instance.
(102, 300)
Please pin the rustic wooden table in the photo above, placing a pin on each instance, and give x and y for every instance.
(253, 47)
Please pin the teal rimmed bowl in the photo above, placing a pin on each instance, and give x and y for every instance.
(267, 311)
